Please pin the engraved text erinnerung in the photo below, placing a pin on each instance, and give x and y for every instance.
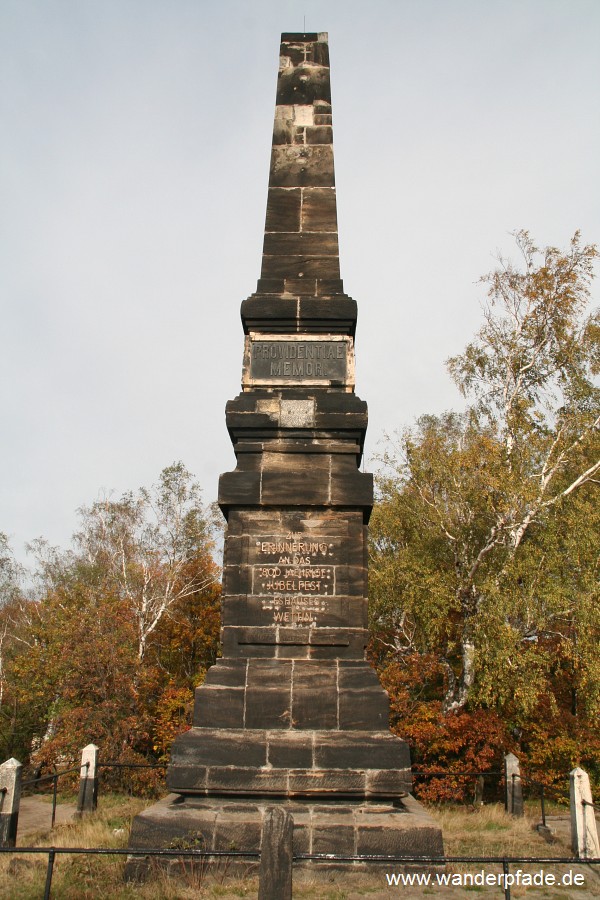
(294, 575)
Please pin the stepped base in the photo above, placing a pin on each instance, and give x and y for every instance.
(344, 828)
(289, 763)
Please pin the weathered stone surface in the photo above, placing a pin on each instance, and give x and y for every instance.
(227, 672)
(283, 210)
(302, 167)
(389, 782)
(344, 828)
(303, 84)
(303, 243)
(351, 750)
(313, 710)
(584, 831)
(264, 423)
(220, 747)
(291, 749)
(293, 716)
(513, 789)
(268, 673)
(290, 760)
(321, 133)
(219, 707)
(278, 488)
(240, 487)
(267, 707)
(363, 709)
(335, 835)
(276, 855)
(324, 782)
(302, 266)
(319, 210)
(87, 799)
(298, 312)
(287, 288)
(10, 786)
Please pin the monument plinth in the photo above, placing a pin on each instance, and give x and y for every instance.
(293, 714)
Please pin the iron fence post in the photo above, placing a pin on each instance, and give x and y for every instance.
(506, 884)
(49, 871)
(54, 790)
(543, 807)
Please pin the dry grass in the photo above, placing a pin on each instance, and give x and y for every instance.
(489, 831)
(80, 877)
(485, 832)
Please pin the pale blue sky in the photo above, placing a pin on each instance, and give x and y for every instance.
(133, 174)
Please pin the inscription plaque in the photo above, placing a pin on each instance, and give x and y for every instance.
(319, 360)
(295, 574)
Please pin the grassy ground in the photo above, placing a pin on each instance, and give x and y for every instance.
(490, 832)
(483, 832)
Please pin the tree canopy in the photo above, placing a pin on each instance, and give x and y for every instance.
(484, 541)
(119, 630)
(484, 567)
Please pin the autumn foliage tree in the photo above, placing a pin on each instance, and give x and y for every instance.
(485, 536)
(147, 546)
(121, 624)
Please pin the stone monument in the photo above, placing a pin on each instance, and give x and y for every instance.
(293, 714)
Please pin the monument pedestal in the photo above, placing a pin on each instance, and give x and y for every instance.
(293, 715)
(341, 827)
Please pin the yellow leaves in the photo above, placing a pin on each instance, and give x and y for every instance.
(173, 716)
(140, 568)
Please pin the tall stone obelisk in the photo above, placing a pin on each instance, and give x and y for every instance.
(293, 714)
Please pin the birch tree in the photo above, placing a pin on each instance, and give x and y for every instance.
(145, 545)
(127, 616)
(461, 493)
(17, 614)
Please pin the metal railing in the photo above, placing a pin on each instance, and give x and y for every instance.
(425, 773)
(119, 765)
(54, 779)
(505, 862)
(115, 765)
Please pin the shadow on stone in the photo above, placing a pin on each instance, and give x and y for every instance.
(292, 719)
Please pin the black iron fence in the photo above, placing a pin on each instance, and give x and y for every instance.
(417, 773)
(488, 773)
(507, 880)
(418, 863)
(132, 787)
(53, 777)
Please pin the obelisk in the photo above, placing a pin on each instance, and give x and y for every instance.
(293, 714)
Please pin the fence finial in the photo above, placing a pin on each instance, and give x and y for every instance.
(88, 780)
(10, 797)
(513, 789)
(584, 833)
